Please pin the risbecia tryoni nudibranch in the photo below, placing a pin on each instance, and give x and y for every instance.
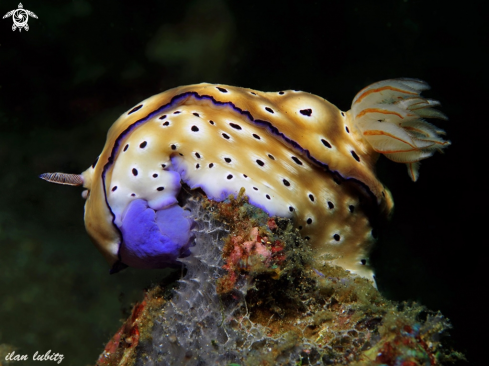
(295, 154)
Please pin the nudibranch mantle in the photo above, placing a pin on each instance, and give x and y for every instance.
(296, 155)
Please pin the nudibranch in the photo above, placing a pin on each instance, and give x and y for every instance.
(295, 154)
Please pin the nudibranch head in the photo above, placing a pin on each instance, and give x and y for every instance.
(296, 155)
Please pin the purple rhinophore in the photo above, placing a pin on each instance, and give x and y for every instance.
(154, 239)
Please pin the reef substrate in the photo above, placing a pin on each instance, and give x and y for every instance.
(255, 294)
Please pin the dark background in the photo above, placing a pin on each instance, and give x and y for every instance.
(82, 64)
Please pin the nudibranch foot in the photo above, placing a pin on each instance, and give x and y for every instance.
(154, 239)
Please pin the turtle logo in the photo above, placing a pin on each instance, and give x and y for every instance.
(20, 17)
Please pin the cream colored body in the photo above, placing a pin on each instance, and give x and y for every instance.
(296, 154)
(326, 122)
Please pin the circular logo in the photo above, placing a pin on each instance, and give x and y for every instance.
(20, 18)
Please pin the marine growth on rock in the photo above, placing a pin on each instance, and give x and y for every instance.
(252, 296)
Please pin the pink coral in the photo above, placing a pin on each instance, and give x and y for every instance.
(256, 245)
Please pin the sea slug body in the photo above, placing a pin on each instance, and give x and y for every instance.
(296, 155)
